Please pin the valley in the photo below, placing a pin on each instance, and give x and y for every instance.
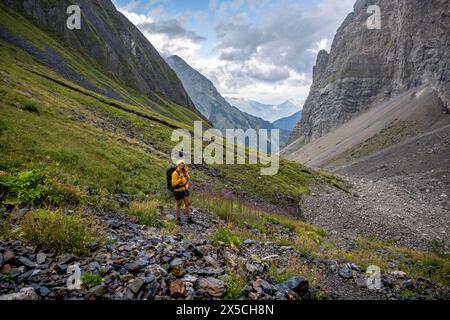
(86, 125)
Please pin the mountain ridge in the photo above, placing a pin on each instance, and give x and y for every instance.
(112, 42)
(288, 123)
(210, 102)
(366, 67)
(267, 112)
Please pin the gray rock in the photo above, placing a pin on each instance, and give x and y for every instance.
(66, 258)
(40, 258)
(9, 257)
(152, 290)
(345, 273)
(27, 262)
(20, 213)
(211, 261)
(136, 285)
(1, 260)
(44, 291)
(150, 279)
(24, 294)
(406, 284)
(96, 292)
(268, 288)
(114, 224)
(133, 267)
(156, 270)
(251, 268)
(190, 278)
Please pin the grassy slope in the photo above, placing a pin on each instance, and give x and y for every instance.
(98, 143)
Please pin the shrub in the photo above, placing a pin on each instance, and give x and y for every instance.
(36, 187)
(30, 187)
(91, 280)
(66, 193)
(31, 107)
(227, 237)
(147, 212)
(59, 232)
(5, 229)
(234, 285)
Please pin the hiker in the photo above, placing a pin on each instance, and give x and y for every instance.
(180, 184)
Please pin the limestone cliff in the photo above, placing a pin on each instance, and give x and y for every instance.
(366, 66)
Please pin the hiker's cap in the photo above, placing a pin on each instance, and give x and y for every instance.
(180, 162)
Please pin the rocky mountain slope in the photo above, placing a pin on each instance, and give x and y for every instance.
(411, 113)
(209, 101)
(288, 123)
(107, 39)
(268, 112)
(367, 66)
(145, 264)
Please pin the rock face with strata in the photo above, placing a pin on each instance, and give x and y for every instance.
(367, 66)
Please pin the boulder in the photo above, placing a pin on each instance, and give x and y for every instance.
(298, 285)
(8, 257)
(177, 289)
(96, 292)
(213, 286)
(24, 294)
(40, 258)
(66, 259)
(27, 262)
(136, 285)
(345, 273)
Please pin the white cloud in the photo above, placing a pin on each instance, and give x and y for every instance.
(268, 59)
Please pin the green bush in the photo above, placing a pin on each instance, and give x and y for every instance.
(91, 280)
(227, 237)
(36, 187)
(59, 232)
(31, 107)
(234, 285)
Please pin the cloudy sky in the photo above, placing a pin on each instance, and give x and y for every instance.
(253, 49)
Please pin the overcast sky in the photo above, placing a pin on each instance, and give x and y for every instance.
(262, 50)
